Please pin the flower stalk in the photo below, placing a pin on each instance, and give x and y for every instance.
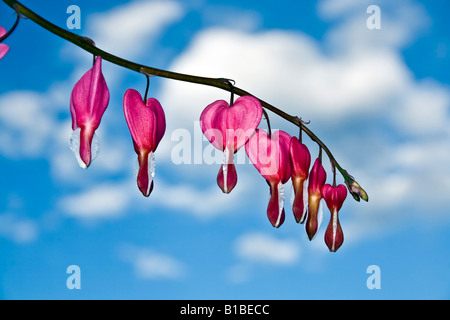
(89, 46)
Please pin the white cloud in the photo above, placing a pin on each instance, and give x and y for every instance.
(423, 110)
(127, 29)
(26, 124)
(203, 203)
(19, 230)
(259, 247)
(150, 264)
(104, 201)
(326, 87)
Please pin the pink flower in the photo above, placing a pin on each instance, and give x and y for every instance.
(228, 128)
(270, 156)
(3, 47)
(300, 162)
(147, 124)
(334, 198)
(317, 178)
(89, 99)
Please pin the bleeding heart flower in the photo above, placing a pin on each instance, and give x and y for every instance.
(88, 102)
(334, 198)
(270, 156)
(228, 128)
(300, 162)
(147, 124)
(3, 47)
(317, 178)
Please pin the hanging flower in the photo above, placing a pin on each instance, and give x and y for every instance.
(317, 178)
(270, 156)
(228, 128)
(147, 124)
(300, 162)
(89, 100)
(3, 47)
(334, 198)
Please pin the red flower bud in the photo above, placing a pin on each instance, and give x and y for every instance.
(317, 178)
(300, 162)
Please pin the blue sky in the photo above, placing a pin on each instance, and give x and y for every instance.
(378, 98)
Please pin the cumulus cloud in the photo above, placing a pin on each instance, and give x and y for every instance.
(17, 229)
(326, 87)
(102, 201)
(26, 124)
(264, 248)
(127, 29)
(150, 264)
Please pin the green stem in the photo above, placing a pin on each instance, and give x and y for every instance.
(6, 35)
(89, 46)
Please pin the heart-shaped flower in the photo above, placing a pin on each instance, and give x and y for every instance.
(270, 156)
(228, 128)
(147, 125)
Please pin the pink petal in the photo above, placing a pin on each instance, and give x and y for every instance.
(90, 97)
(300, 158)
(146, 122)
(334, 198)
(147, 125)
(89, 100)
(275, 209)
(317, 179)
(299, 205)
(224, 125)
(334, 237)
(3, 47)
(227, 184)
(270, 156)
(3, 50)
(144, 180)
(227, 176)
(300, 162)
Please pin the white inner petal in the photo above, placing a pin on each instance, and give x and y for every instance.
(305, 198)
(334, 224)
(226, 154)
(319, 216)
(292, 196)
(281, 197)
(74, 144)
(151, 169)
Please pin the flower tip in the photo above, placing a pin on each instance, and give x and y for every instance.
(334, 237)
(85, 163)
(364, 195)
(145, 190)
(227, 178)
(356, 191)
(311, 231)
(275, 208)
